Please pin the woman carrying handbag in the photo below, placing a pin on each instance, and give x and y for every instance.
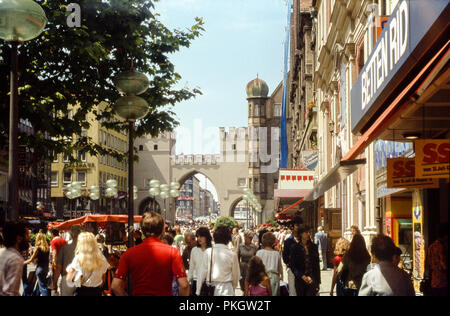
(221, 265)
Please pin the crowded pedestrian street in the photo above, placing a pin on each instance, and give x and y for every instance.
(227, 155)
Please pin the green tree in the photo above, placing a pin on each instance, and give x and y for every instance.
(226, 221)
(75, 66)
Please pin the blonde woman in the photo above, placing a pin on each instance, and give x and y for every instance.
(88, 268)
(342, 246)
(42, 256)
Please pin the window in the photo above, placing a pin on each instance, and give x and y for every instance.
(56, 157)
(81, 156)
(54, 180)
(66, 158)
(277, 110)
(155, 147)
(67, 177)
(141, 147)
(81, 177)
(256, 110)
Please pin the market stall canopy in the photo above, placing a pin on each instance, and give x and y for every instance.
(334, 176)
(92, 218)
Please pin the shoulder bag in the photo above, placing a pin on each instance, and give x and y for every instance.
(208, 290)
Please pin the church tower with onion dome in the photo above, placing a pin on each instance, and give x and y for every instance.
(264, 113)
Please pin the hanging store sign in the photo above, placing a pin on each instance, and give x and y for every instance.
(391, 47)
(401, 174)
(405, 36)
(432, 158)
(310, 159)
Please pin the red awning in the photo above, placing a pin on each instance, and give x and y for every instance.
(92, 218)
(285, 212)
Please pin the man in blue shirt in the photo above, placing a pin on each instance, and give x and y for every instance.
(321, 240)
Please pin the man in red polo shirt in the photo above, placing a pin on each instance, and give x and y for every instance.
(151, 265)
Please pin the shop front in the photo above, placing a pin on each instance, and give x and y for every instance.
(403, 95)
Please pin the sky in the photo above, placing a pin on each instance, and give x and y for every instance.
(242, 39)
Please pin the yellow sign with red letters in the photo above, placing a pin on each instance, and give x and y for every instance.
(401, 174)
(432, 158)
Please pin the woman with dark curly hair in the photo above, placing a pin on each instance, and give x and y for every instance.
(220, 267)
(257, 283)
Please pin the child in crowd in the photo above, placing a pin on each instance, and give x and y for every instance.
(257, 282)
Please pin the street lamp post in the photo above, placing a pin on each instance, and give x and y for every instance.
(131, 108)
(20, 21)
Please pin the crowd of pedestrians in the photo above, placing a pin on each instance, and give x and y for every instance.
(203, 260)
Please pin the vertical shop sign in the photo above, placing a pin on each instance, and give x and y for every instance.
(418, 242)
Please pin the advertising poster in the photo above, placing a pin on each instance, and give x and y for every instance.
(432, 158)
(401, 174)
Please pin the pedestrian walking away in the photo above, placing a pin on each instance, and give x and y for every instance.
(87, 272)
(321, 240)
(64, 258)
(342, 246)
(257, 282)
(41, 255)
(353, 266)
(384, 278)
(272, 261)
(151, 265)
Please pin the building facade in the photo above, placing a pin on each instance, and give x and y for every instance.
(91, 171)
(379, 81)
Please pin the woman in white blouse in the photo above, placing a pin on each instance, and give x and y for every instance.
(272, 261)
(224, 268)
(88, 268)
(204, 241)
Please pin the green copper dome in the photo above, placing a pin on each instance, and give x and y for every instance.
(257, 88)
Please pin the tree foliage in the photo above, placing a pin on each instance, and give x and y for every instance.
(75, 66)
(226, 221)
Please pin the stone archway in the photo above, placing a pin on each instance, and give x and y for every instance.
(194, 206)
(233, 206)
(227, 178)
